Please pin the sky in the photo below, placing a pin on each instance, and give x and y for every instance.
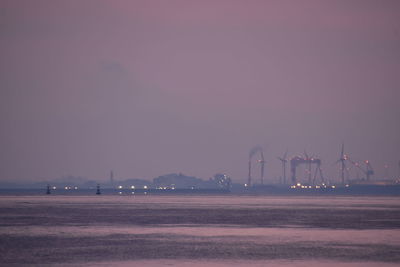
(150, 87)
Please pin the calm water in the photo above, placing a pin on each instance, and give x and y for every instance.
(199, 230)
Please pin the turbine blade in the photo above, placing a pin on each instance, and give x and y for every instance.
(342, 152)
(305, 153)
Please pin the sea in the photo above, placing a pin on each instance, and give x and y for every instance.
(198, 230)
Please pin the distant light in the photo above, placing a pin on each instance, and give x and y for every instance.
(132, 187)
(298, 184)
(66, 188)
(173, 188)
(75, 187)
(145, 187)
(120, 187)
(309, 186)
(133, 193)
(120, 193)
(333, 186)
(347, 185)
(317, 186)
(145, 193)
(54, 188)
(245, 185)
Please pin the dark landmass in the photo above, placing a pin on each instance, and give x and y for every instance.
(271, 190)
(182, 184)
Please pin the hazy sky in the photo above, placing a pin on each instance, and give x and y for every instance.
(152, 87)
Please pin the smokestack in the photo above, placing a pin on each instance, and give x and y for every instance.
(252, 152)
(249, 178)
(112, 178)
(262, 161)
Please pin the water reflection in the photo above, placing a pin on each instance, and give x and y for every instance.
(212, 230)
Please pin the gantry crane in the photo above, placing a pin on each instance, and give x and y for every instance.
(368, 170)
(295, 161)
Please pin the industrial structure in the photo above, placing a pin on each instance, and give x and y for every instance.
(367, 170)
(297, 160)
(253, 152)
(314, 173)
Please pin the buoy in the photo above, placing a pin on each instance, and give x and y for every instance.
(98, 190)
(48, 192)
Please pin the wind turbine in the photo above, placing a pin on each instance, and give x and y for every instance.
(342, 160)
(284, 161)
(308, 160)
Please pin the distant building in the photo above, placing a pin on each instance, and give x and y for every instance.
(179, 181)
(221, 181)
(132, 184)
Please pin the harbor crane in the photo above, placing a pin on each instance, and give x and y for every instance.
(368, 170)
(295, 161)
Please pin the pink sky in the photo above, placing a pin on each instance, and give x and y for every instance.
(152, 87)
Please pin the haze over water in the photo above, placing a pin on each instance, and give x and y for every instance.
(148, 88)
